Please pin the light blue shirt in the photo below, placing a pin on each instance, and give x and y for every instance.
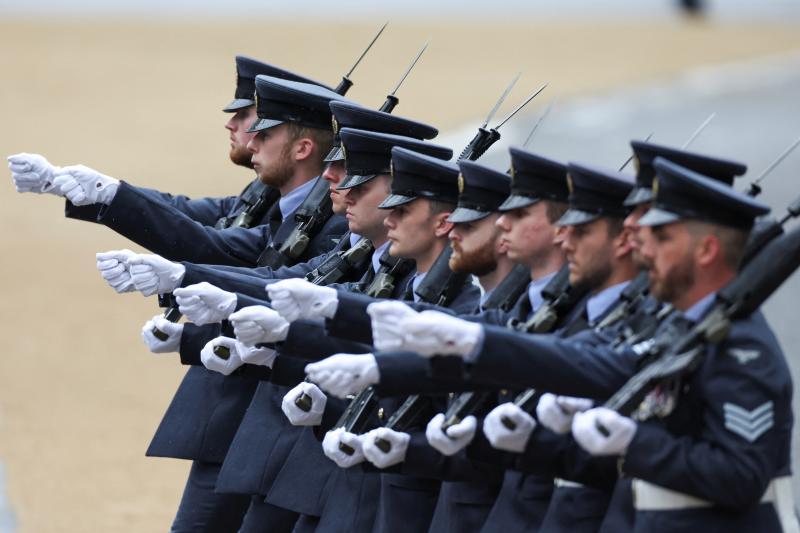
(700, 308)
(289, 203)
(416, 282)
(485, 296)
(535, 291)
(354, 238)
(598, 304)
(376, 255)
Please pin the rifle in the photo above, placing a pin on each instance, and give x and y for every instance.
(171, 313)
(504, 297)
(671, 359)
(342, 263)
(508, 291)
(559, 298)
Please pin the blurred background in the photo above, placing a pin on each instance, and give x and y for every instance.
(135, 89)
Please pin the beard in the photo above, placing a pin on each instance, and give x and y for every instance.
(240, 156)
(279, 172)
(675, 282)
(478, 262)
(595, 274)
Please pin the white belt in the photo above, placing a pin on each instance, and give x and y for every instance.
(649, 497)
(558, 482)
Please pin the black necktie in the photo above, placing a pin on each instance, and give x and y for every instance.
(275, 219)
(409, 294)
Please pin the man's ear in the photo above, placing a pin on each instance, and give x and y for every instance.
(622, 244)
(441, 226)
(303, 148)
(707, 250)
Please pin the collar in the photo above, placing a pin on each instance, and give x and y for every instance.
(485, 296)
(416, 283)
(354, 238)
(535, 290)
(377, 254)
(289, 203)
(598, 304)
(700, 308)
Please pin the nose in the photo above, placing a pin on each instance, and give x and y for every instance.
(503, 223)
(390, 221)
(329, 175)
(230, 125)
(564, 237)
(252, 144)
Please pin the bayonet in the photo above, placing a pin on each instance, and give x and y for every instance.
(346, 83)
(627, 161)
(755, 188)
(391, 99)
(536, 126)
(519, 107)
(502, 99)
(698, 131)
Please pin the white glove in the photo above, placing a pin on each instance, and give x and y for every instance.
(587, 428)
(330, 447)
(556, 412)
(397, 440)
(84, 186)
(217, 363)
(503, 438)
(457, 438)
(257, 323)
(297, 298)
(33, 173)
(152, 274)
(113, 266)
(174, 331)
(344, 373)
(386, 319)
(257, 356)
(203, 303)
(433, 333)
(299, 417)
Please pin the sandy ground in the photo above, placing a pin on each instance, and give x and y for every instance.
(79, 394)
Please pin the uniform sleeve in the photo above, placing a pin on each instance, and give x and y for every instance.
(308, 340)
(553, 455)
(743, 417)
(582, 365)
(166, 231)
(424, 461)
(206, 211)
(193, 339)
(245, 280)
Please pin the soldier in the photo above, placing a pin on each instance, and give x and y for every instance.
(203, 424)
